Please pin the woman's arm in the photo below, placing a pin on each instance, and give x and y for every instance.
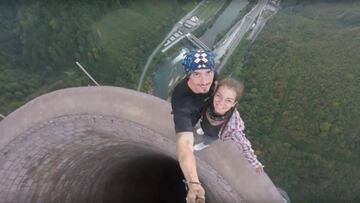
(234, 129)
(239, 138)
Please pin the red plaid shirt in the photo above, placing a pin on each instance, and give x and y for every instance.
(235, 130)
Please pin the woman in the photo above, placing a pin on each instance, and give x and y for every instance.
(221, 120)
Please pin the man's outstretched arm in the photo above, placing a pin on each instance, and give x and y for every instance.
(184, 146)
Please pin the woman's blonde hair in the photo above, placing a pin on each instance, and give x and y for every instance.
(231, 83)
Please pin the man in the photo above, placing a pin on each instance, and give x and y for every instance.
(187, 103)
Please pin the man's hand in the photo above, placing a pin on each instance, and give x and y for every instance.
(196, 194)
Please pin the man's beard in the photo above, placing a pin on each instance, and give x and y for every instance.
(204, 88)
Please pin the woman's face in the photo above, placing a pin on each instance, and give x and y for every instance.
(224, 99)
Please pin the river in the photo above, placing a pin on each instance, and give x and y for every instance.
(223, 22)
(168, 73)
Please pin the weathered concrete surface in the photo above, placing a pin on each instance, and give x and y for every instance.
(93, 144)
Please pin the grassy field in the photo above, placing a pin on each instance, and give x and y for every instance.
(207, 10)
(117, 34)
(302, 81)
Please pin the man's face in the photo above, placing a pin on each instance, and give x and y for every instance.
(200, 80)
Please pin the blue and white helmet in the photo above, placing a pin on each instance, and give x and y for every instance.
(199, 59)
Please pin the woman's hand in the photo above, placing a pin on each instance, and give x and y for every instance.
(259, 169)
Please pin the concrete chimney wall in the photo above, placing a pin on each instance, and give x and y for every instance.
(110, 144)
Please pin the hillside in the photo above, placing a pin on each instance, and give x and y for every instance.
(41, 40)
(302, 81)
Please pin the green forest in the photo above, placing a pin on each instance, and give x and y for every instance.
(41, 40)
(301, 103)
(301, 76)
